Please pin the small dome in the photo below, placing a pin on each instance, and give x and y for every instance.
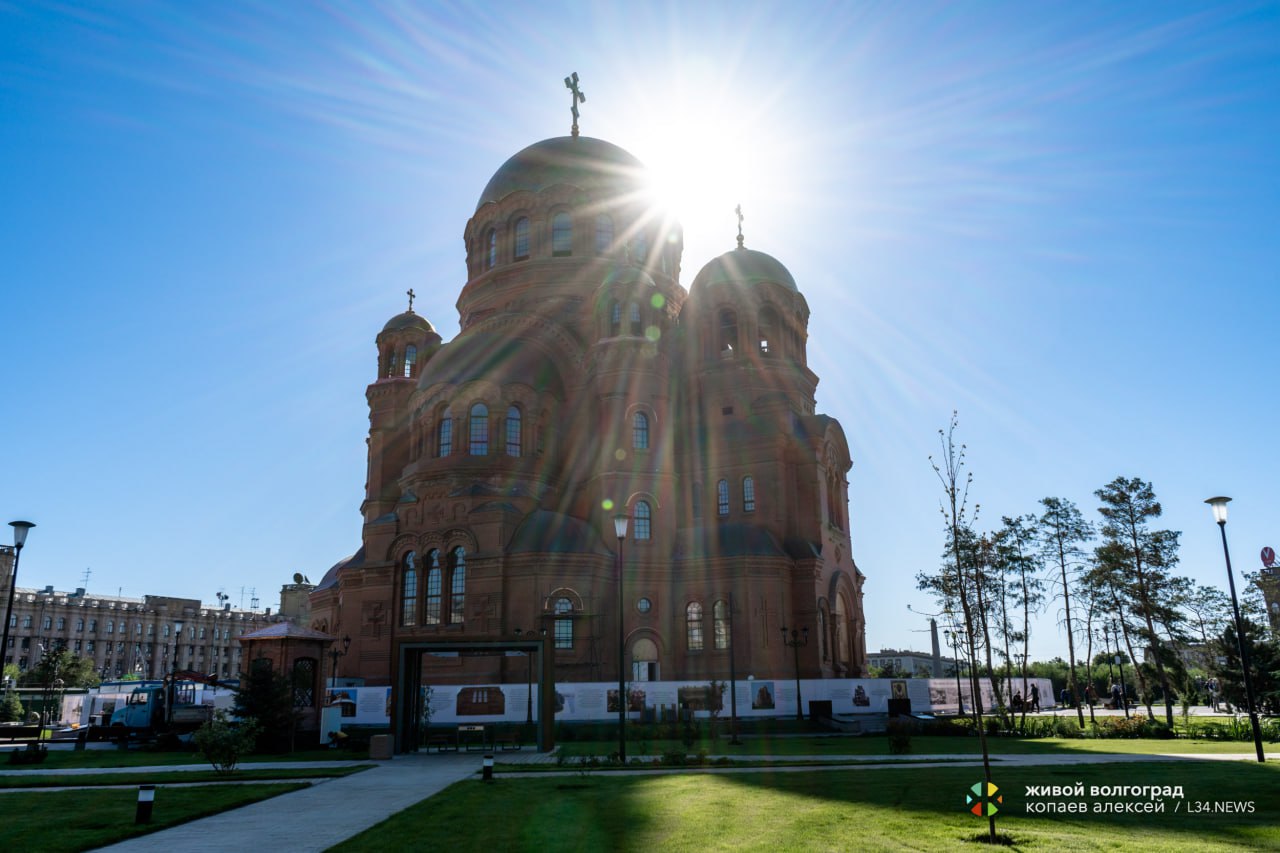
(408, 320)
(744, 266)
(580, 161)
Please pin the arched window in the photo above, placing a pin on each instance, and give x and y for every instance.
(304, 683)
(434, 584)
(640, 431)
(748, 494)
(514, 434)
(615, 319)
(410, 359)
(822, 633)
(768, 342)
(640, 248)
(457, 585)
(728, 333)
(491, 252)
(393, 363)
(478, 439)
(720, 620)
(633, 311)
(561, 236)
(642, 520)
(722, 497)
(522, 239)
(644, 660)
(604, 234)
(693, 625)
(409, 591)
(564, 624)
(444, 434)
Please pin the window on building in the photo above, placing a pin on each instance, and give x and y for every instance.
(514, 433)
(768, 331)
(561, 235)
(304, 683)
(457, 585)
(693, 625)
(615, 319)
(444, 434)
(720, 619)
(491, 249)
(640, 431)
(728, 333)
(47, 624)
(434, 584)
(26, 622)
(564, 623)
(478, 442)
(167, 630)
(409, 590)
(722, 498)
(640, 248)
(93, 626)
(522, 239)
(151, 630)
(633, 314)
(62, 623)
(642, 520)
(89, 647)
(748, 494)
(410, 359)
(604, 234)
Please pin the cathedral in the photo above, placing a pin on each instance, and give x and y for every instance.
(630, 474)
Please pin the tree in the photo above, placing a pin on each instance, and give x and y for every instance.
(58, 662)
(1015, 542)
(955, 512)
(1062, 531)
(1264, 668)
(223, 742)
(1128, 505)
(1207, 607)
(10, 708)
(266, 697)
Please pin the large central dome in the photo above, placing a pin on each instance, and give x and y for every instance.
(580, 161)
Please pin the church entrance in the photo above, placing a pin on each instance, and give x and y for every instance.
(409, 695)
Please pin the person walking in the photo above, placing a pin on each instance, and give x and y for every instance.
(1116, 697)
(1035, 697)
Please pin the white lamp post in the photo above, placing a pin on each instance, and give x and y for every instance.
(620, 530)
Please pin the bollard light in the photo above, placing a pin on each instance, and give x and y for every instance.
(146, 798)
(487, 774)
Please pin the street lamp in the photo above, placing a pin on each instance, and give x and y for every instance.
(796, 642)
(172, 692)
(1220, 515)
(620, 529)
(20, 530)
(334, 654)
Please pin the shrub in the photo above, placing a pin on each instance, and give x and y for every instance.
(1066, 728)
(34, 754)
(674, 758)
(1118, 727)
(223, 743)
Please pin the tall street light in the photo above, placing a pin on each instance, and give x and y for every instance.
(20, 530)
(620, 529)
(796, 642)
(334, 654)
(1220, 515)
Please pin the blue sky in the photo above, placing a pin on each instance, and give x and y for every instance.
(1062, 220)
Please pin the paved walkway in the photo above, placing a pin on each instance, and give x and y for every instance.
(329, 812)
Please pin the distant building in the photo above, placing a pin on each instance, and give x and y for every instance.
(124, 636)
(917, 664)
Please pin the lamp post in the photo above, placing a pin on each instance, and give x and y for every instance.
(528, 668)
(620, 529)
(334, 654)
(1220, 515)
(1124, 691)
(796, 642)
(20, 530)
(733, 683)
(171, 694)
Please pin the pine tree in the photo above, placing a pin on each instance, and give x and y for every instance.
(1062, 531)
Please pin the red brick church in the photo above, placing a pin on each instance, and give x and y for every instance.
(586, 383)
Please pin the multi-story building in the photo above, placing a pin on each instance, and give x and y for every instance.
(917, 664)
(124, 636)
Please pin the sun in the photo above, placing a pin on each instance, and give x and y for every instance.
(706, 155)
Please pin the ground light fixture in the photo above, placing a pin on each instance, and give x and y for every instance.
(1219, 506)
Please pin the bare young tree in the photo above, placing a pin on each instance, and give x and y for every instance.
(955, 512)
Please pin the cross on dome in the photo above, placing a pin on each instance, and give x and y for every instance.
(577, 97)
(738, 210)
(412, 294)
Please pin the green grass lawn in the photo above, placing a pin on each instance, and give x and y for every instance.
(127, 776)
(64, 821)
(59, 758)
(920, 745)
(899, 809)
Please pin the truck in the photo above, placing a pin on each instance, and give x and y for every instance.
(166, 708)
